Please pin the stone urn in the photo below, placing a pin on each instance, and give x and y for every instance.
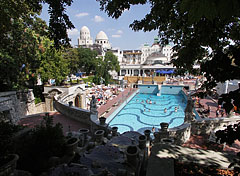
(102, 120)
(114, 131)
(70, 103)
(85, 132)
(132, 153)
(142, 141)
(71, 145)
(8, 164)
(99, 135)
(164, 126)
(156, 136)
(147, 134)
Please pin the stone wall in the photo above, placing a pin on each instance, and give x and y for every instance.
(181, 134)
(66, 94)
(206, 126)
(78, 114)
(10, 109)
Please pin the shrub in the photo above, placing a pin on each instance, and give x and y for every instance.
(37, 100)
(44, 141)
(7, 130)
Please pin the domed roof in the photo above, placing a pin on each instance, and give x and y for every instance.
(84, 29)
(101, 36)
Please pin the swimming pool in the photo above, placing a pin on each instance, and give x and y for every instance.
(138, 115)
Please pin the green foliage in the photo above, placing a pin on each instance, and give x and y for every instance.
(53, 64)
(6, 133)
(44, 141)
(21, 33)
(81, 59)
(229, 136)
(19, 55)
(59, 22)
(14, 10)
(37, 100)
(202, 31)
(103, 66)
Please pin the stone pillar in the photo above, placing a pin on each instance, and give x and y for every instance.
(48, 101)
(83, 101)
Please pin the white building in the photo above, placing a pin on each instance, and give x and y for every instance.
(102, 40)
(144, 62)
(85, 40)
(147, 50)
(85, 37)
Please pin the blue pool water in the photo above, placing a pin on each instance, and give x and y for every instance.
(138, 115)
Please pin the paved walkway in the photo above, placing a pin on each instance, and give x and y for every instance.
(121, 96)
(33, 120)
(202, 142)
(161, 163)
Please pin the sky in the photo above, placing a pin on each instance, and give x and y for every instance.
(88, 13)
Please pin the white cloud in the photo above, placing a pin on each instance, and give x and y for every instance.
(116, 36)
(98, 19)
(73, 32)
(83, 14)
(119, 32)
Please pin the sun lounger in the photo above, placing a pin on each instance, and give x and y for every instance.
(108, 110)
(115, 104)
(103, 114)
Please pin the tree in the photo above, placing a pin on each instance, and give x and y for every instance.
(81, 59)
(202, 31)
(53, 64)
(194, 27)
(20, 55)
(110, 63)
(14, 10)
(28, 53)
(104, 66)
(229, 136)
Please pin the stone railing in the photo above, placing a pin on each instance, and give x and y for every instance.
(178, 135)
(81, 115)
(73, 112)
(181, 134)
(206, 126)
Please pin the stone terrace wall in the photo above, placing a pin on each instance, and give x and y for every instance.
(78, 114)
(10, 106)
(206, 126)
(181, 134)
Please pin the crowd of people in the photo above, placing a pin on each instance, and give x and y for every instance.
(102, 94)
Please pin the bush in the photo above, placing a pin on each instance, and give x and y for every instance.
(7, 130)
(37, 100)
(35, 149)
